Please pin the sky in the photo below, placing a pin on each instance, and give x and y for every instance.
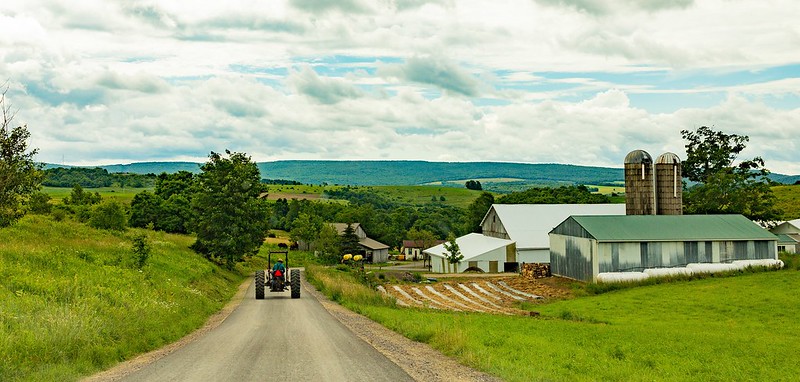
(529, 81)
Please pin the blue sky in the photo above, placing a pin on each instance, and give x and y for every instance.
(534, 81)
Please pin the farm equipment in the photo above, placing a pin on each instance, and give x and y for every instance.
(275, 279)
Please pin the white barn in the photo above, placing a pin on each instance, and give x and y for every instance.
(484, 252)
(529, 225)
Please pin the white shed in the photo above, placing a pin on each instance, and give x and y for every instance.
(529, 225)
(484, 252)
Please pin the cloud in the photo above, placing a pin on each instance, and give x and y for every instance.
(322, 89)
(604, 7)
(434, 71)
(324, 6)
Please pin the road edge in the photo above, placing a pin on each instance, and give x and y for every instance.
(418, 360)
(125, 368)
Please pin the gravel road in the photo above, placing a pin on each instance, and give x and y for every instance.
(307, 339)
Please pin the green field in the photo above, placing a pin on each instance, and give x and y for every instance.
(741, 328)
(123, 195)
(788, 199)
(72, 301)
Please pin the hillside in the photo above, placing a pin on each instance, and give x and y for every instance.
(498, 176)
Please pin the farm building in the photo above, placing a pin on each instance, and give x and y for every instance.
(374, 250)
(787, 243)
(791, 228)
(487, 253)
(529, 224)
(412, 249)
(581, 247)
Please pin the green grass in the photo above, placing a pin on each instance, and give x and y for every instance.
(122, 195)
(741, 328)
(788, 200)
(421, 195)
(73, 303)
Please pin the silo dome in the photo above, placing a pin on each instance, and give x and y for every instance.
(667, 158)
(638, 157)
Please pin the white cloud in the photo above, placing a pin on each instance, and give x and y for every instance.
(510, 80)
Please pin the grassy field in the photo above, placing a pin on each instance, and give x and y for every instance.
(421, 195)
(741, 328)
(122, 195)
(72, 302)
(788, 199)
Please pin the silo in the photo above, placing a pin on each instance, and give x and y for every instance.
(639, 184)
(669, 186)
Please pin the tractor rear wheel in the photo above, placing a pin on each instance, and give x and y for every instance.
(259, 285)
(295, 283)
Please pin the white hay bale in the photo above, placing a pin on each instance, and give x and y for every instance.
(758, 263)
(710, 268)
(620, 277)
(666, 272)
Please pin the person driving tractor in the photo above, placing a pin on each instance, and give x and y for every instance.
(278, 270)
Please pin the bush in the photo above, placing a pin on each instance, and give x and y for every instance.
(791, 261)
(40, 203)
(141, 250)
(108, 215)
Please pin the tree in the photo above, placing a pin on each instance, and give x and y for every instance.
(426, 239)
(79, 197)
(327, 244)
(473, 185)
(477, 210)
(108, 215)
(20, 176)
(454, 255)
(231, 218)
(724, 186)
(305, 229)
(145, 209)
(349, 240)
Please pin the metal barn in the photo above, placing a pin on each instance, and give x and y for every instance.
(581, 247)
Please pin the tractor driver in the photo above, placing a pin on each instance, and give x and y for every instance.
(279, 270)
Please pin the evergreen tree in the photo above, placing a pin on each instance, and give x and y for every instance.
(349, 240)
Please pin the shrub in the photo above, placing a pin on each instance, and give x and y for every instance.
(108, 215)
(40, 203)
(141, 250)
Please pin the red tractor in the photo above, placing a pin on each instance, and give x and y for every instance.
(275, 277)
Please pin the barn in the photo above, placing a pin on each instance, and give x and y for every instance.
(487, 253)
(529, 224)
(581, 247)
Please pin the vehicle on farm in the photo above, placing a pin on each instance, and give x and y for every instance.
(274, 277)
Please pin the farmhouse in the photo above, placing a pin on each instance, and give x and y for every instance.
(374, 250)
(479, 251)
(529, 224)
(791, 228)
(582, 247)
(412, 249)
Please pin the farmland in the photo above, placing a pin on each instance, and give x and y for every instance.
(658, 332)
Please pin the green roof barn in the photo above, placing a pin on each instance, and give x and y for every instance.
(581, 247)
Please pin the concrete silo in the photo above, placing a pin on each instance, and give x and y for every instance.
(669, 187)
(639, 184)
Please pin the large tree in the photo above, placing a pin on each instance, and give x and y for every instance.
(231, 218)
(723, 184)
(20, 176)
(477, 210)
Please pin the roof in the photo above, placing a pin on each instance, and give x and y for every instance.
(372, 244)
(785, 239)
(529, 224)
(471, 245)
(795, 223)
(672, 228)
(340, 227)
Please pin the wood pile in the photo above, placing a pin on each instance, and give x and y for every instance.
(535, 270)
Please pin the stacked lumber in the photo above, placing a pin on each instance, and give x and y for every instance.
(535, 270)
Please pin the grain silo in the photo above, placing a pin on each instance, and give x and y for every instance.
(639, 184)
(669, 185)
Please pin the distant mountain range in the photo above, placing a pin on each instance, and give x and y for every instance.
(370, 173)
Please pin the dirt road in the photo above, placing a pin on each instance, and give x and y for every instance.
(275, 339)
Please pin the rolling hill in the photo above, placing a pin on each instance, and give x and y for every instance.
(369, 173)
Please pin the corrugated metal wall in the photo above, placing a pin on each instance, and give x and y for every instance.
(571, 257)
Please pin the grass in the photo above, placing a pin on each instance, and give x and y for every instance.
(122, 195)
(715, 329)
(787, 198)
(72, 301)
(421, 195)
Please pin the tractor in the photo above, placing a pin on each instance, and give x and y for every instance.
(275, 280)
